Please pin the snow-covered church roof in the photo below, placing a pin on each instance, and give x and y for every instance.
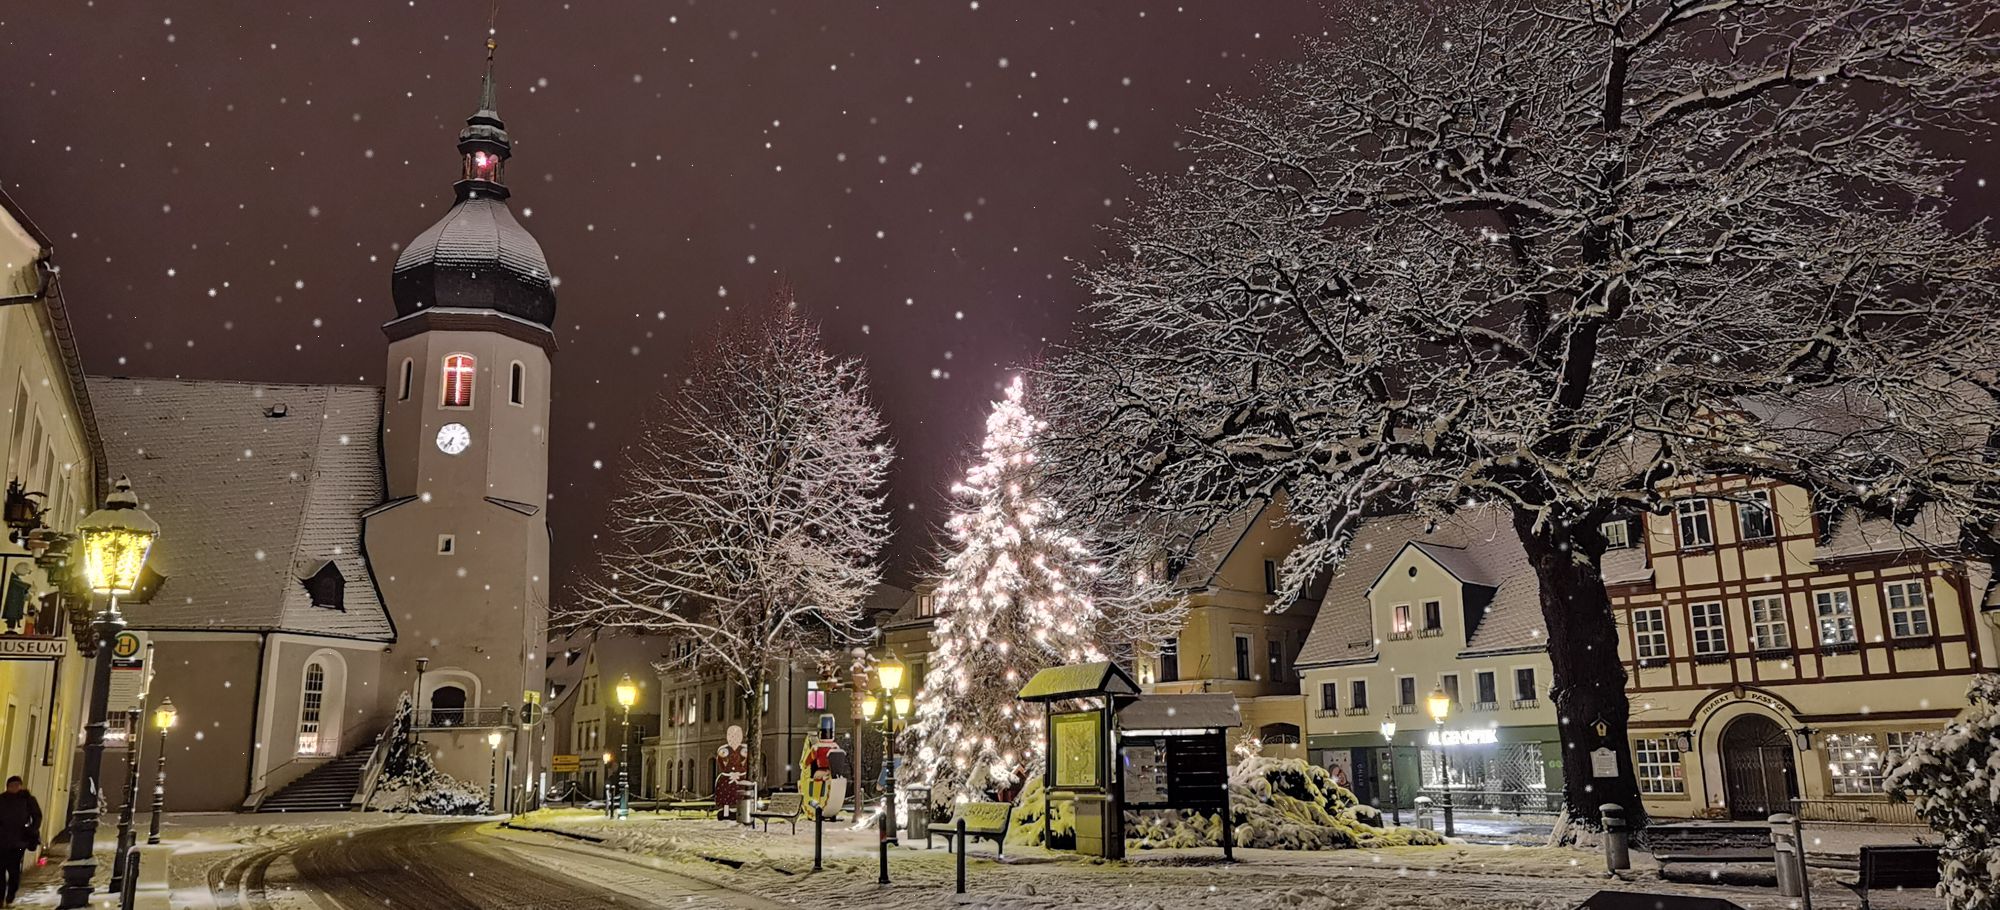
(256, 486)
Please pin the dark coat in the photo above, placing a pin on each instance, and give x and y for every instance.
(20, 821)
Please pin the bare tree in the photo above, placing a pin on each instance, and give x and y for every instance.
(1552, 254)
(752, 510)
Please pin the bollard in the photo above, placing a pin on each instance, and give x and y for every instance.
(1788, 854)
(1424, 812)
(819, 834)
(128, 885)
(882, 878)
(1617, 838)
(961, 856)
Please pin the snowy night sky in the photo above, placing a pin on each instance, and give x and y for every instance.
(228, 181)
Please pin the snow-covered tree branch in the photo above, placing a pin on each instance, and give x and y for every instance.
(1553, 254)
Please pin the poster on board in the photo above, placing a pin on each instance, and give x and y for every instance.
(1075, 741)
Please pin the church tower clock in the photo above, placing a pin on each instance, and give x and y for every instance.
(460, 545)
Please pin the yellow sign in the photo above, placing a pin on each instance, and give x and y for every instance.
(565, 764)
(125, 645)
(1078, 743)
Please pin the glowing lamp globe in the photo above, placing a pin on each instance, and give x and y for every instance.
(890, 673)
(870, 706)
(628, 692)
(116, 541)
(902, 706)
(1440, 705)
(1388, 728)
(165, 715)
(493, 739)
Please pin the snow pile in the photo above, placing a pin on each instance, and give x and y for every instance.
(1281, 804)
(1953, 781)
(419, 788)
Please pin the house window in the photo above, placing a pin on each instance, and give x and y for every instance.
(1488, 685)
(517, 384)
(708, 707)
(1357, 697)
(1243, 657)
(1170, 660)
(1433, 617)
(1274, 654)
(1710, 634)
(1406, 694)
(815, 696)
(1329, 697)
(1524, 687)
(460, 370)
(1617, 534)
(326, 588)
(408, 379)
(1754, 517)
(1835, 610)
(1649, 630)
(1696, 531)
(1270, 576)
(1449, 683)
(926, 606)
(310, 698)
(1768, 623)
(1909, 615)
(1859, 761)
(736, 712)
(1399, 622)
(1657, 763)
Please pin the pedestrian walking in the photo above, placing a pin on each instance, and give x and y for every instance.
(20, 832)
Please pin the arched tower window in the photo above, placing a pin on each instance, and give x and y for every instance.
(312, 699)
(460, 371)
(409, 378)
(517, 384)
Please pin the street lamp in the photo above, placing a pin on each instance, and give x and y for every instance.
(889, 673)
(1395, 800)
(492, 768)
(1440, 705)
(116, 541)
(628, 695)
(164, 718)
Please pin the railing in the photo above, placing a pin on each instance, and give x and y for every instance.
(1400, 636)
(1521, 703)
(475, 718)
(1430, 633)
(1862, 811)
(1512, 802)
(1357, 710)
(1405, 709)
(371, 773)
(1486, 706)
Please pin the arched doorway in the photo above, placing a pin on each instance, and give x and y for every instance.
(1758, 771)
(447, 706)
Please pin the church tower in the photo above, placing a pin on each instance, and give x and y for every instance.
(460, 545)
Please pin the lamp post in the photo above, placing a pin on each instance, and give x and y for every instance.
(116, 541)
(1440, 705)
(628, 695)
(164, 717)
(134, 737)
(492, 768)
(417, 698)
(889, 673)
(1395, 800)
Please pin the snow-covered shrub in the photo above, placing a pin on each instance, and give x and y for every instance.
(1025, 827)
(1282, 804)
(1953, 781)
(421, 789)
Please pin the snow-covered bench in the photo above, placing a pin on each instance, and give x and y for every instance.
(982, 820)
(784, 807)
(1896, 866)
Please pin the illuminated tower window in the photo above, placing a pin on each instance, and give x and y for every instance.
(459, 370)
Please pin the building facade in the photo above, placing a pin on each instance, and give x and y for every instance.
(1416, 610)
(1778, 653)
(54, 472)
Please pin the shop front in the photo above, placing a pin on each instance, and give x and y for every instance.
(1492, 769)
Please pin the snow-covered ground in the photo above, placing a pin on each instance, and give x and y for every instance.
(777, 865)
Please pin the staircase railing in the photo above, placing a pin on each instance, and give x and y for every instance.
(371, 773)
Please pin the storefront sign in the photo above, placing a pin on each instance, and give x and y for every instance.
(1603, 762)
(1477, 736)
(20, 648)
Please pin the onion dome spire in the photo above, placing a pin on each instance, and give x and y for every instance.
(483, 143)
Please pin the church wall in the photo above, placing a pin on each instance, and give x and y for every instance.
(213, 681)
(351, 714)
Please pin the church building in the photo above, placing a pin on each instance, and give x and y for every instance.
(327, 550)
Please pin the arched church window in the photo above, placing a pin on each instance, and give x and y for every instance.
(409, 378)
(517, 384)
(311, 698)
(459, 372)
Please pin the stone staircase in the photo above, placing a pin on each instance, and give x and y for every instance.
(327, 788)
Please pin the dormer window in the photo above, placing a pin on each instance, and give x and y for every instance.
(327, 587)
(460, 370)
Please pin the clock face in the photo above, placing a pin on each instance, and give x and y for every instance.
(453, 438)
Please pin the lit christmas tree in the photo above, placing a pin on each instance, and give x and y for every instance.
(1015, 599)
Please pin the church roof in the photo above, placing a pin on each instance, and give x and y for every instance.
(256, 486)
(477, 257)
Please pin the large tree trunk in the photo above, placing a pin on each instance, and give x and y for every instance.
(1588, 687)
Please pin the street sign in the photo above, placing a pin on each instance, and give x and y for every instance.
(565, 764)
(17, 648)
(131, 671)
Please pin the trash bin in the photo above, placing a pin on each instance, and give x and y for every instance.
(1424, 812)
(916, 806)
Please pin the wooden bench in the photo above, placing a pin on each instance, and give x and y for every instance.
(1710, 843)
(1896, 866)
(982, 820)
(784, 807)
